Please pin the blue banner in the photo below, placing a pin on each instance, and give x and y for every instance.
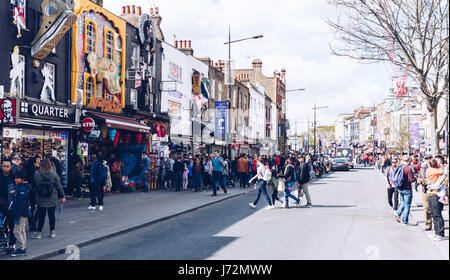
(221, 118)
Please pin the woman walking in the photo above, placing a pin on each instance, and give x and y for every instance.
(49, 190)
(260, 174)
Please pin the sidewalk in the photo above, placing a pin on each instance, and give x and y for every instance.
(122, 213)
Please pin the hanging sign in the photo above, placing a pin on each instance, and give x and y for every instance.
(88, 124)
(105, 105)
(221, 118)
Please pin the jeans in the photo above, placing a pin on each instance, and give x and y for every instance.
(406, 199)
(436, 212)
(197, 182)
(143, 175)
(243, 181)
(51, 217)
(287, 193)
(169, 179)
(96, 193)
(262, 189)
(217, 178)
(305, 188)
(393, 192)
(206, 180)
(178, 181)
(34, 215)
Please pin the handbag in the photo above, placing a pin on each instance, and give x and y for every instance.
(281, 185)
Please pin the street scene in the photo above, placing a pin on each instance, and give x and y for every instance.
(224, 130)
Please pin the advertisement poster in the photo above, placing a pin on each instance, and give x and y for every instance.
(415, 133)
(8, 111)
(221, 118)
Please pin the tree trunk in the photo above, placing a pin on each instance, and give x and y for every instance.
(434, 134)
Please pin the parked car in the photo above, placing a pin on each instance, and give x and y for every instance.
(340, 164)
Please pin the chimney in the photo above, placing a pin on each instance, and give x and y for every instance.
(176, 44)
(139, 10)
(128, 9)
(156, 18)
(133, 9)
(123, 10)
(257, 65)
(185, 46)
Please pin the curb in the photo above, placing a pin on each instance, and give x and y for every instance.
(121, 232)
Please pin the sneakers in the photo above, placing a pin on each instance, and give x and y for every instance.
(252, 205)
(309, 205)
(297, 204)
(91, 207)
(100, 208)
(439, 238)
(52, 234)
(36, 235)
(19, 253)
(397, 218)
(270, 207)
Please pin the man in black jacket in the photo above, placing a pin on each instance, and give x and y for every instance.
(6, 186)
(178, 169)
(303, 178)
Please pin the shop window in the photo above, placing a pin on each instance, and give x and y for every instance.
(89, 88)
(133, 98)
(90, 44)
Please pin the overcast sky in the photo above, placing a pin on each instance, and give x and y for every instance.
(296, 37)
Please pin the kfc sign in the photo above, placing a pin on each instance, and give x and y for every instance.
(8, 109)
(88, 125)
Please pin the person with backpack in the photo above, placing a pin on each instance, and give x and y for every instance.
(20, 211)
(392, 191)
(98, 175)
(264, 175)
(49, 191)
(304, 176)
(402, 179)
(290, 177)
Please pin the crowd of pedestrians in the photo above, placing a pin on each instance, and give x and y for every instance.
(423, 173)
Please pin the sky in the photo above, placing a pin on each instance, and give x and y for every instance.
(296, 37)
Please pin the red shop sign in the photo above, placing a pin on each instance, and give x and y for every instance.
(88, 125)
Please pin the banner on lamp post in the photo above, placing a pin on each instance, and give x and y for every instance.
(228, 70)
(221, 108)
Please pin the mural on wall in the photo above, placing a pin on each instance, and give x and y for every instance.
(18, 68)
(19, 16)
(58, 18)
(103, 70)
(48, 91)
(106, 71)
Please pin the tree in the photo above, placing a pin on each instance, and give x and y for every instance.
(400, 140)
(412, 35)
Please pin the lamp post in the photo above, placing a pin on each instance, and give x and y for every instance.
(315, 123)
(231, 78)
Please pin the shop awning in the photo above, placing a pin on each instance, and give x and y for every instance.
(122, 123)
(49, 124)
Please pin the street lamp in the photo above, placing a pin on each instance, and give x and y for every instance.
(230, 76)
(315, 123)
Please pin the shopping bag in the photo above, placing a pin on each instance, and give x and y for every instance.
(281, 185)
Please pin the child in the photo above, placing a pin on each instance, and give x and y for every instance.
(185, 177)
(20, 212)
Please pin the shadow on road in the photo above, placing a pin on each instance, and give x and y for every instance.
(333, 206)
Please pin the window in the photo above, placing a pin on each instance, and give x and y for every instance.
(219, 92)
(51, 81)
(109, 45)
(118, 53)
(89, 88)
(234, 98)
(135, 56)
(90, 44)
(213, 89)
(133, 98)
(245, 102)
(176, 72)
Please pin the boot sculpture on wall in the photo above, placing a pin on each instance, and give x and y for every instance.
(57, 20)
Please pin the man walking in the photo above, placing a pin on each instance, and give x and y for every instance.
(392, 190)
(403, 178)
(216, 173)
(242, 168)
(289, 176)
(303, 179)
(96, 183)
(144, 171)
(178, 169)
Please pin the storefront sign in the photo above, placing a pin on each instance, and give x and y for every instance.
(105, 105)
(47, 112)
(88, 124)
(12, 133)
(221, 118)
(8, 111)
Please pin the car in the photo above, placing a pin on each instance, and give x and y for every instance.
(340, 164)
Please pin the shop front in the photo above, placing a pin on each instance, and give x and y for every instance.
(41, 129)
(120, 142)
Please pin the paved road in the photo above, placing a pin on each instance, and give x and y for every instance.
(349, 220)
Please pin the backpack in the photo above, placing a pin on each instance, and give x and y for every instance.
(45, 188)
(267, 176)
(398, 177)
